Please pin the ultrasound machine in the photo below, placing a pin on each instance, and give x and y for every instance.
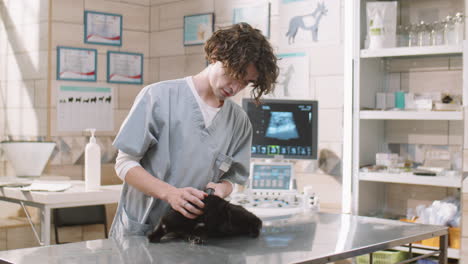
(283, 131)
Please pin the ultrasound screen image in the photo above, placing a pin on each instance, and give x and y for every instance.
(285, 128)
(282, 126)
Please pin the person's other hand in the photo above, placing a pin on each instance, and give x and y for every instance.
(222, 189)
(187, 201)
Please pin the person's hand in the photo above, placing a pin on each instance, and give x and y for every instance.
(222, 189)
(186, 200)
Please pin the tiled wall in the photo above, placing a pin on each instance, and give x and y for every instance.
(170, 59)
(155, 29)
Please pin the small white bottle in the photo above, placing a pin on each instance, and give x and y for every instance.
(92, 163)
(376, 32)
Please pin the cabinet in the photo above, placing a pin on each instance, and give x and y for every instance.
(419, 69)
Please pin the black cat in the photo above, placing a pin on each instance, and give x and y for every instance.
(219, 219)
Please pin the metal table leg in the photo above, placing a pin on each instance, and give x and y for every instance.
(443, 249)
(31, 223)
(45, 225)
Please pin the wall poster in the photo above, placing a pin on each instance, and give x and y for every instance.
(198, 28)
(76, 64)
(124, 67)
(79, 108)
(102, 28)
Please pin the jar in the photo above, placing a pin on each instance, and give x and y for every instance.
(402, 36)
(413, 35)
(459, 28)
(449, 31)
(437, 33)
(424, 34)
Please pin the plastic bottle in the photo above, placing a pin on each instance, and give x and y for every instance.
(92, 163)
(376, 32)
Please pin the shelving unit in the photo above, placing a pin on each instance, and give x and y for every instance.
(409, 178)
(374, 71)
(411, 115)
(412, 51)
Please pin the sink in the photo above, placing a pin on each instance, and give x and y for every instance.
(28, 158)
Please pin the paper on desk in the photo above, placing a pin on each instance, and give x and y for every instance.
(47, 187)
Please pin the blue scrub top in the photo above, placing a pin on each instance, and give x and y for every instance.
(165, 126)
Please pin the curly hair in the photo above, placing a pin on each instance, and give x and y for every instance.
(239, 45)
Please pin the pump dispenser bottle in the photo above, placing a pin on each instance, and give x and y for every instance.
(92, 163)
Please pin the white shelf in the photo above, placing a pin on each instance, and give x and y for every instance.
(412, 115)
(452, 253)
(409, 178)
(412, 51)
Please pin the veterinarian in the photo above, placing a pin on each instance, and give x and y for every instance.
(184, 136)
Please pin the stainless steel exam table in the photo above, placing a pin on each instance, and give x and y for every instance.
(304, 238)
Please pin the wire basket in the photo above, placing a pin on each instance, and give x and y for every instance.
(383, 257)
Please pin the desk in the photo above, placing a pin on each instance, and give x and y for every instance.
(46, 201)
(305, 238)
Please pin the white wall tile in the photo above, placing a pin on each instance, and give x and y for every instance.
(166, 43)
(327, 60)
(392, 82)
(66, 34)
(330, 91)
(327, 187)
(437, 81)
(135, 17)
(20, 94)
(3, 41)
(27, 122)
(171, 16)
(224, 10)
(101, 67)
(154, 17)
(330, 125)
(3, 239)
(138, 2)
(28, 38)
(455, 63)
(153, 74)
(417, 132)
(20, 237)
(127, 94)
(159, 2)
(68, 11)
(27, 66)
(194, 64)
(146, 71)
(25, 12)
(455, 136)
(417, 64)
(134, 41)
(171, 67)
(336, 147)
(41, 93)
(194, 49)
(274, 32)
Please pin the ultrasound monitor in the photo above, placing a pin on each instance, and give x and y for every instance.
(283, 128)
